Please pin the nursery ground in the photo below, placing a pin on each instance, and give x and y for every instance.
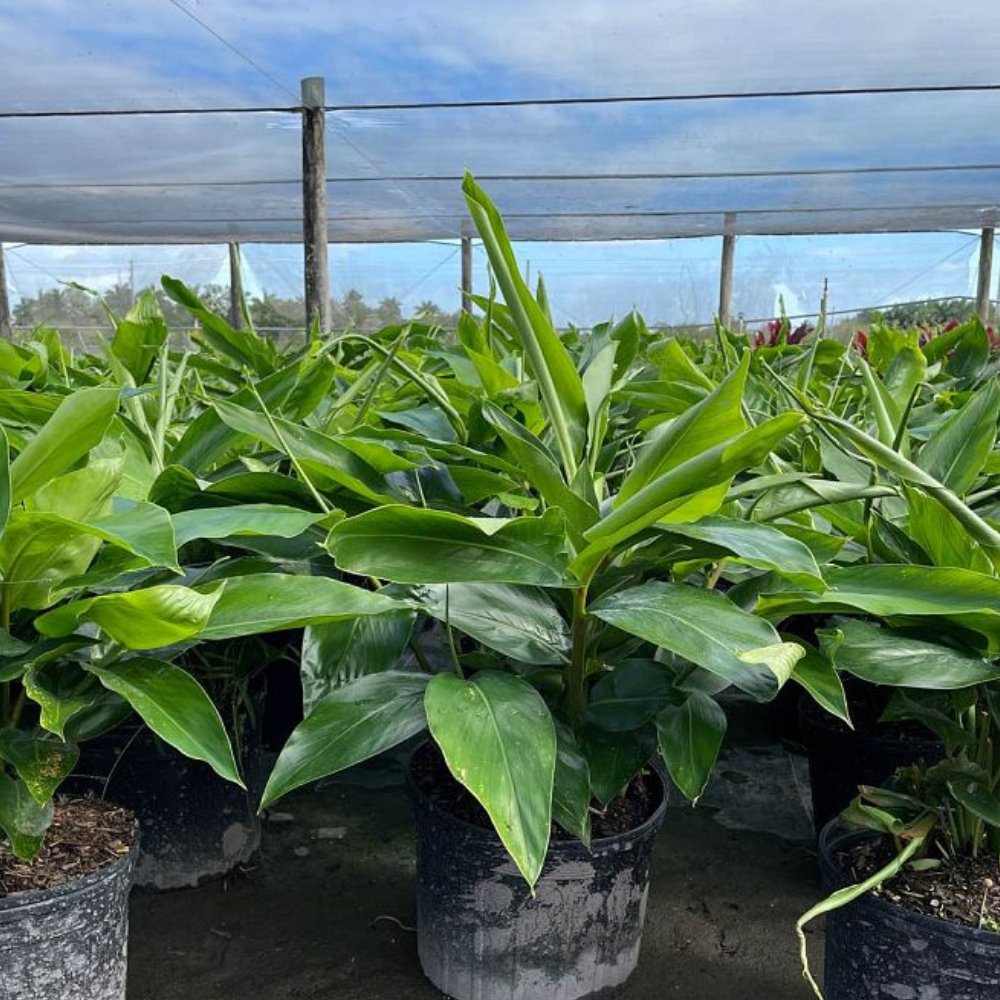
(327, 908)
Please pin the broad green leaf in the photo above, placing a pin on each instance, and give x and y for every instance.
(244, 347)
(818, 676)
(716, 419)
(706, 628)
(139, 619)
(937, 532)
(977, 798)
(4, 480)
(962, 596)
(257, 519)
(271, 602)
(324, 453)
(175, 706)
(571, 787)
(756, 545)
(78, 424)
(22, 819)
(957, 450)
(905, 373)
(614, 759)
(821, 495)
(540, 468)
(41, 760)
(61, 691)
(414, 545)
(710, 468)
(883, 656)
(521, 623)
(336, 653)
(690, 736)
(629, 695)
(139, 336)
(349, 725)
(499, 741)
(559, 384)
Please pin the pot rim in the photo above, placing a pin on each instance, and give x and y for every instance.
(648, 825)
(40, 897)
(835, 835)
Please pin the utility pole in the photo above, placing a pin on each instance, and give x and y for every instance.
(314, 215)
(983, 290)
(726, 272)
(6, 326)
(235, 287)
(467, 274)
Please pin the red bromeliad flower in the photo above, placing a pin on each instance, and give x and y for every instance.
(770, 336)
(860, 343)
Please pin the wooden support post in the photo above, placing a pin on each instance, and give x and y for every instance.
(467, 274)
(235, 287)
(6, 326)
(983, 291)
(726, 272)
(314, 219)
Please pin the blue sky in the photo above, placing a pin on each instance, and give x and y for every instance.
(157, 180)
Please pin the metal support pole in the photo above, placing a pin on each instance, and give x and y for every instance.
(6, 327)
(726, 272)
(235, 287)
(314, 219)
(985, 273)
(467, 274)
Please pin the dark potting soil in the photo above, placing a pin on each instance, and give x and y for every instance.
(86, 834)
(629, 810)
(965, 891)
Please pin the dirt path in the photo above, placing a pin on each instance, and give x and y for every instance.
(320, 914)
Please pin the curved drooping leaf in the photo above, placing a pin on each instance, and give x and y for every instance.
(139, 619)
(416, 545)
(615, 758)
(968, 598)
(629, 695)
(40, 759)
(706, 628)
(270, 602)
(715, 419)
(757, 545)
(712, 467)
(499, 741)
(884, 656)
(22, 819)
(349, 725)
(257, 519)
(336, 653)
(175, 706)
(818, 676)
(956, 451)
(571, 786)
(519, 622)
(77, 425)
(690, 736)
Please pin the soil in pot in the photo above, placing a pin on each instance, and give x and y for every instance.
(64, 916)
(195, 825)
(481, 935)
(841, 759)
(921, 935)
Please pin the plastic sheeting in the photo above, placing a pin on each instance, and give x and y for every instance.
(630, 169)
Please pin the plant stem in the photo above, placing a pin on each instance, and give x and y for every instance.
(576, 701)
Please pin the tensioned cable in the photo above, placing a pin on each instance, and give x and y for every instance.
(531, 178)
(232, 48)
(514, 102)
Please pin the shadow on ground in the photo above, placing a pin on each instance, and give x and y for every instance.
(326, 911)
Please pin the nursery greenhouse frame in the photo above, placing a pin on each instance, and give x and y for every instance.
(673, 124)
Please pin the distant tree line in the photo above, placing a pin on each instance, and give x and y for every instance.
(68, 307)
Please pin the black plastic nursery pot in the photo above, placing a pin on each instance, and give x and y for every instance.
(194, 825)
(842, 759)
(68, 943)
(481, 935)
(877, 950)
